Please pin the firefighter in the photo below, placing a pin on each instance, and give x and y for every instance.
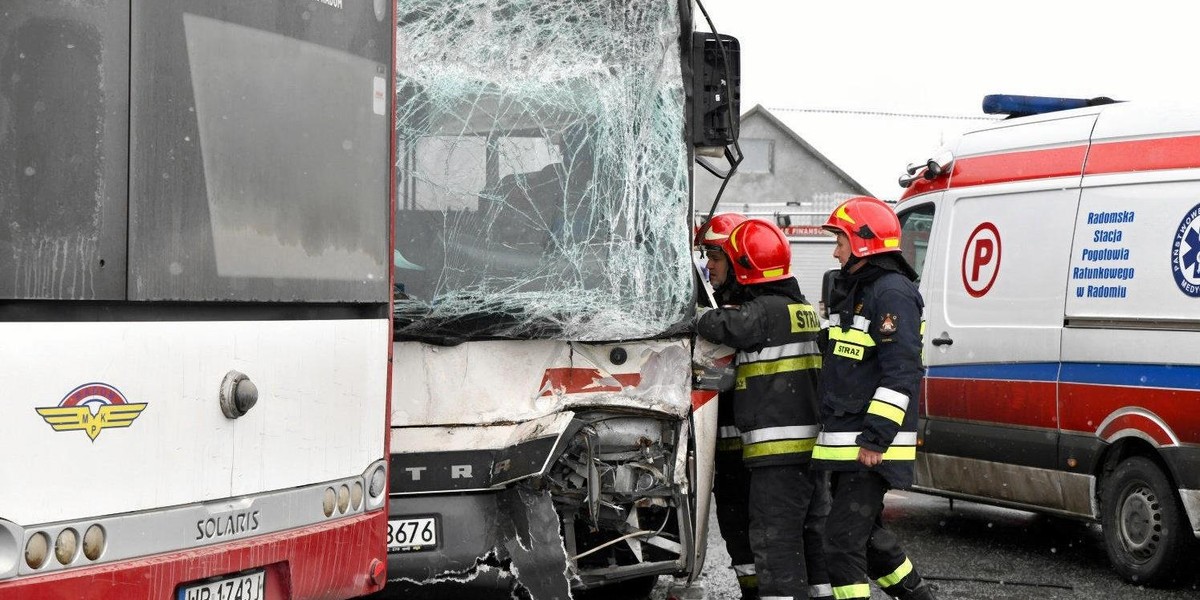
(775, 331)
(731, 481)
(872, 371)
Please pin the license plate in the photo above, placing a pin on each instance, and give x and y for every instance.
(413, 534)
(246, 586)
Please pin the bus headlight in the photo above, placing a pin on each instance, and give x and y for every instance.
(378, 479)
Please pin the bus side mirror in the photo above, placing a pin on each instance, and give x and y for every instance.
(716, 91)
(827, 290)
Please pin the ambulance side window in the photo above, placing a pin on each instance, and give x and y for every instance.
(915, 226)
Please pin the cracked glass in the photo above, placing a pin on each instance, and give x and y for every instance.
(542, 170)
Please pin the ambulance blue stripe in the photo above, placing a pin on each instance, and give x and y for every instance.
(1183, 377)
(1000, 371)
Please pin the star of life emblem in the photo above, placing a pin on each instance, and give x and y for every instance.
(1185, 253)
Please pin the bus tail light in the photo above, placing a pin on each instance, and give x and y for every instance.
(343, 498)
(37, 550)
(66, 546)
(329, 501)
(94, 540)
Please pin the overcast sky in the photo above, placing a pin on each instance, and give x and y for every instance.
(943, 57)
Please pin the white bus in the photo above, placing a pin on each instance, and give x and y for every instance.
(194, 298)
(546, 431)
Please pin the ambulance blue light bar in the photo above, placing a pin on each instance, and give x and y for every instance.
(1023, 106)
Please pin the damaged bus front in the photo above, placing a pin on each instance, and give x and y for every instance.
(546, 433)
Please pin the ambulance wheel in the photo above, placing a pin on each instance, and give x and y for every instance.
(1146, 531)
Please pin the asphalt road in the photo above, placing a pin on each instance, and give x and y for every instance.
(976, 552)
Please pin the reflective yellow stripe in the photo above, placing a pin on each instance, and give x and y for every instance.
(851, 453)
(850, 351)
(748, 581)
(853, 336)
(854, 590)
(894, 577)
(778, 447)
(786, 365)
(886, 411)
(727, 444)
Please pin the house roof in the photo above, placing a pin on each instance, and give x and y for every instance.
(833, 166)
(870, 149)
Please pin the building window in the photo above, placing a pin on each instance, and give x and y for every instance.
(758, 156)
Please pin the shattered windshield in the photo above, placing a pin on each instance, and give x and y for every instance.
(542, 170)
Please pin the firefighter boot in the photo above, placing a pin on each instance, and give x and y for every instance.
(922, 592)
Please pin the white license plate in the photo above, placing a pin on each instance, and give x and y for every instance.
(247, 586)
(411, 535)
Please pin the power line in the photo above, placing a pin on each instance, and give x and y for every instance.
(875, 113)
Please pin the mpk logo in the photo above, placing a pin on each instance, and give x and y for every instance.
(92, 408)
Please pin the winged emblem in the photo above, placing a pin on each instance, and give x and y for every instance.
(70, 418)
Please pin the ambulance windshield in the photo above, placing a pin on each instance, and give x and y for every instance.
(542, 170)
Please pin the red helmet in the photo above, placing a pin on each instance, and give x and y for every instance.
(759, 252)
(871, 226)
(714, 231)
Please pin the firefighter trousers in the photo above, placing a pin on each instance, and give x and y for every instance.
(858, 547)
(731, 491)
(788, 507)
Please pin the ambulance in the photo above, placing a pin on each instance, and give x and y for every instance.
(1059, 253)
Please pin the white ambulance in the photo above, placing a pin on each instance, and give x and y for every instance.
(1059, 254)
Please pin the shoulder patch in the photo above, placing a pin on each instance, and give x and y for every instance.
(887, 325)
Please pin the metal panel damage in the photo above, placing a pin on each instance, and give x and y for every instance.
(598, 471)
(606, 507)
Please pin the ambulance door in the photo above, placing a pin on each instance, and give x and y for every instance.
(992, 338)
(916, 225)
(994, 319)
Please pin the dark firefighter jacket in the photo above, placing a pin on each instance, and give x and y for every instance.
(778, 361)
(872, 374)
(729, 439)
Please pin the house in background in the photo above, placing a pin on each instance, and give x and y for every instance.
(798, 165)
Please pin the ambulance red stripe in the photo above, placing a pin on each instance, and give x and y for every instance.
(1137, 422)
(1019, 403)
(1129, 156)
(1010, 166)
(1181, 152)
(1085, 407)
